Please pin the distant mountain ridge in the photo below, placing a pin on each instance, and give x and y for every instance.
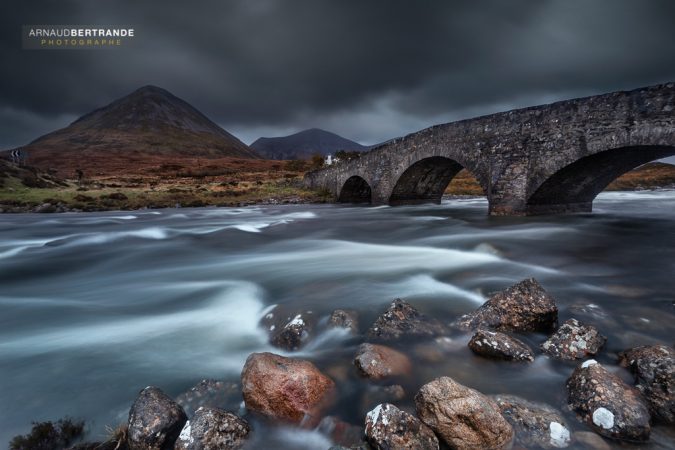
(149, 121)
(304, 144)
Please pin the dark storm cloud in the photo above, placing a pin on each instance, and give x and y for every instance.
(367, 69)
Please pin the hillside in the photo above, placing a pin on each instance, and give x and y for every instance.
(304, 144)
(149, 122)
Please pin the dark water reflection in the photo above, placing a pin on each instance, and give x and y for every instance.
(97, 306)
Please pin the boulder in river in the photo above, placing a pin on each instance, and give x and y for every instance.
(607, 404)
(537, 425)
(388, 427)
(463, 417)
(343, 318)
(574, 340)
(404, 320)
(155, 421)
(213, 429)
(378, 362)
(286, 389)
(497, 345)
(525, 306)
(654, 369)
(210, 394)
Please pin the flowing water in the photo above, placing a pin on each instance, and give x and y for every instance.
(94, 307)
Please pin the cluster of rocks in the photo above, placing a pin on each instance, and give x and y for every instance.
(292, 391)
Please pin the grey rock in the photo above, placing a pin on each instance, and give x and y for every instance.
(574, 341)
(525, 306)
(403, 320)
(654, 370)
(537, 425)
(213, 429)
(388, 428)
(497, 345)
(341, 318)
(607, 404)
(155, 421)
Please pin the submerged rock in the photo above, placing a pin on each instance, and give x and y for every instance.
(341, 318)
(155, 421)
(607, 404)
(387, 427)
(213, 429)
(378, 362)
(374, 395)
(525, 306)
(463, 417)
(574, 341)
(536, 424)
(287, 389)
(210, 394)
(497, 345)
(402, 319)
(654, 370)
(590, 440)
(294, 334)
(341, 432)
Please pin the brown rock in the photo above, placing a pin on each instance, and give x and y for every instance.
(654, 370)
(213, 429)
(574, 341)
(341, 318)
(537, 425)
(155, 421)
(388, 428)
(463, 417)
(402, 319)
(378, 362)
(497, 345)
(607, 404)
(287, 389)
(525, 306)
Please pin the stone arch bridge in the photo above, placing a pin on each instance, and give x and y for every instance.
(541, 160)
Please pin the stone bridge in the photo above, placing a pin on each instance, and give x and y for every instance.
(541, 160)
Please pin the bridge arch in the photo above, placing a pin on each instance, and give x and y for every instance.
(425, 180)
(573, 187)
(355, 190)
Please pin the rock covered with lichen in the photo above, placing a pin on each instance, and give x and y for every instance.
(388, 427)
(654, 369)
(155, 421)
(536, 425)
(211, 429)
(525, 306)
(607, 404)
(574, 340)
(497, 345)
(404, 320)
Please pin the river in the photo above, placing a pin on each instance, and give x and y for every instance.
(96, 306)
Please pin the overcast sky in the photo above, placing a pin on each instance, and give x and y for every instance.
(369, 70)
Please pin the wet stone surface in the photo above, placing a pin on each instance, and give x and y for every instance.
(212, 429)
(497, 345)
(155, 421)
(574, 340)
(654, 370)
(607, 404)
(211, 394)
(403, 320)
(525, 306)
(378, 362)
(388, 427)
(536, 424)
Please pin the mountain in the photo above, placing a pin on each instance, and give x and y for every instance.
(148, 122)
(304, 144)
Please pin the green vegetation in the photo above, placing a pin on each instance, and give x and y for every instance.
(49, 435)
